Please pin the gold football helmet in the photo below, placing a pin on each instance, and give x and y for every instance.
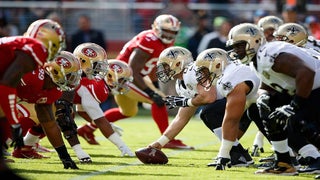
(65, 71)
(50, 33)
(210, 65)
(118, 76)
(93, 59)
(269, 22)
(245, 39)
(166, 28)
(171, 62)
(292, 33)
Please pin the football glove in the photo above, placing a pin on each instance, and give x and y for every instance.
(69, 163)
(278, 120)
(176, 101)
(156, 98)
(263, 106)
(17, 138)
(125, 150)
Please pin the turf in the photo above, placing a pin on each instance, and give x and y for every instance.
(139, 132)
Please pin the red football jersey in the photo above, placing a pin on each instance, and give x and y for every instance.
(28, 45)
(148, 42)
(96, 87)
(31, 89)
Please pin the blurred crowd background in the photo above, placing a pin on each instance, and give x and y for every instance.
(120, 20)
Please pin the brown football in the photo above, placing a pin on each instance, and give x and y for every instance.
(150, 155)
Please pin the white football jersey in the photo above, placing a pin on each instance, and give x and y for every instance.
(188, 86)
(278, 81)
(313, 43)
(234, 74)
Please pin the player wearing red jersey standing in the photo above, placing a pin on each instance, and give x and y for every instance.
(141, 53)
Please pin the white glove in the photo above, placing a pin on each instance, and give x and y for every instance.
(125, 150)
(116, 129)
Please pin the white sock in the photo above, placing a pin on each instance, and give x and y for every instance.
(116, 140)
(30, 139)
(280, 146)
(79, 151)
(218, 133)
(225, 148)
(309, 151)
(258, 140)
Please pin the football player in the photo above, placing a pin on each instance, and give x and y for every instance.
(292, 71)
(141, 53)
(98, 73)
(296, 34)
(268, 25)
(177, 63)
(42, 88)
(21, 55)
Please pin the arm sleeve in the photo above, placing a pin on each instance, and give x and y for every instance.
(89, 103)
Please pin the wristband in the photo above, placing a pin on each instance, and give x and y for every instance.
(163, 140)
(189, 102)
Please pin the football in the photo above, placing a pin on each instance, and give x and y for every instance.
(150, 155)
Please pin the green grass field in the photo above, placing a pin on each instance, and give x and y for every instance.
(139, 132)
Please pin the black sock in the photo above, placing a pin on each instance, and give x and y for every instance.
(62, 152)
(283, 157)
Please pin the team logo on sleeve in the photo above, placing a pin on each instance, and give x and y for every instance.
(227, 86)
(61, 61)
(89, 52)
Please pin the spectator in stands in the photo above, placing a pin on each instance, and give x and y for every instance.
(86, 33)
(313, 26)
(290, 14)
(202, 29)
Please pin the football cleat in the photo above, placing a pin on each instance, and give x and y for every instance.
(85, 160)
(177, 144)
(87, 133)
(280, 168)
(256, 151)
(222, 163)
(312, 168)
(69, 163)
(27, 152)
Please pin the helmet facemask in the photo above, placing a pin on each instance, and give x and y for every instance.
(166, 28)
(64, 71)
(118, 77)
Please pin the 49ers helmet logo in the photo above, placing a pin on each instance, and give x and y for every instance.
(61, 61)
(89, 52)
(116, 68)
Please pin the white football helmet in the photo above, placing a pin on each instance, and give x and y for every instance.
(119, 76)
(65, 71)
(171, 62)
(269, 22)
(50, 33)
(210, 65)
(166, 28)
(245, 40)
(292, 33)
(93, 59)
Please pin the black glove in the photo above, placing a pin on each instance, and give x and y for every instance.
(156, 98)
(17, 138)
(263, 106)
(176, 101)
(278, 120)
(69, 163)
